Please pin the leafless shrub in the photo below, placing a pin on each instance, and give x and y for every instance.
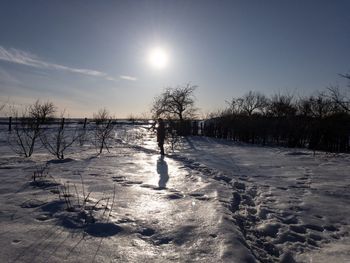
(64, 194)
(173, 140)
(28, 127)
(80, 205)
(339, 98)
(103, 132)
(58, 142)
(40, 173)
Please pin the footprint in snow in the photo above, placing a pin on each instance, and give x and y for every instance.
(174, 196)
(43, 217)
(33, 203)
(146, 231)
(118, 178)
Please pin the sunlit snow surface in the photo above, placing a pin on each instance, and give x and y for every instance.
(209, 201)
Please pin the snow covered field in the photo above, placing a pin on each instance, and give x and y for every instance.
(209, 201)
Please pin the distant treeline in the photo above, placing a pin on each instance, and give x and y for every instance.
(319, 122)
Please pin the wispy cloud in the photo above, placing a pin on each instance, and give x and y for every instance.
(24, 58)
(125, 77)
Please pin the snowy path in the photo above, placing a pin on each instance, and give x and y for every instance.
(213, 201)
(164, 211)
(284, 200)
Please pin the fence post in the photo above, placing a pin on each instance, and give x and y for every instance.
(62, 123)
(85, 120)
(10, 124)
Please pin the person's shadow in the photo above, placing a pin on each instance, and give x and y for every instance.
(162, 170)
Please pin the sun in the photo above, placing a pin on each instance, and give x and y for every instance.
(158, 58)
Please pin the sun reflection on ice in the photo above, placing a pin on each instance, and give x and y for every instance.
(163, 170)
(153, 201)
(148, 205)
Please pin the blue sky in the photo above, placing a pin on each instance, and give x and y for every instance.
(85, 55)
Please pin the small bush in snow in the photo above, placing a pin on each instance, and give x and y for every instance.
(28, 126)
(103, 132)
(83, 205)
(59, 141)
(40, 174)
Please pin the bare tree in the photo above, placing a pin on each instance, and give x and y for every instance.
(175, 103)
(103, 130)
(249, 103)
(59, 141)
(252, 102)
(303, 106)
(282, 106)
(234, 107)
(28, 127)
(340, 99)
(318, 106)
(321, 106)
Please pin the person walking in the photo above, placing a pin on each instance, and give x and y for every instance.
(161, 135)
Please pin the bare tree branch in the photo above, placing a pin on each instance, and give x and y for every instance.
(103, 130)
(340, 99)
(28, 127)
(175, 103)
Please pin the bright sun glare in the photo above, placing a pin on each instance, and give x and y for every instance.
(158, 58)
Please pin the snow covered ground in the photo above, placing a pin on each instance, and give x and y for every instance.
(285, 201)
(209, 201)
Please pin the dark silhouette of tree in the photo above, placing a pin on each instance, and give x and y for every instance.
(175, 103)
(320, 122)
(321, 106)
(303, 107)
(252, 102)
(282, 106)
(341, 99)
